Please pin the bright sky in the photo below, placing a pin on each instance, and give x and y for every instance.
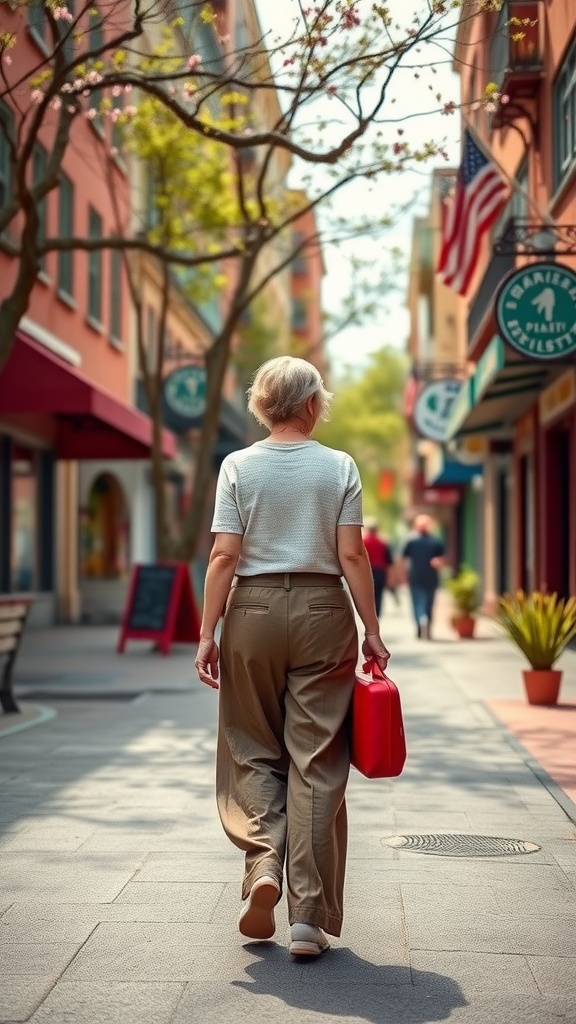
(413, 92)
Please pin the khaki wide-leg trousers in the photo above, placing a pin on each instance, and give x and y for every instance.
(287, 660)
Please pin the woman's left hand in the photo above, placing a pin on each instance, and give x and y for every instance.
(207, 661)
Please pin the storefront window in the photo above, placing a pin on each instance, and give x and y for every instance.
(104, 531)
(24, 519)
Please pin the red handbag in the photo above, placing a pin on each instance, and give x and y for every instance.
(378, 744)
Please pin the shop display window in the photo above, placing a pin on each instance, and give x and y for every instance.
(24, 519)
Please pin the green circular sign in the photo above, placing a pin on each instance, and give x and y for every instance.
(535, 310)
(185, 391)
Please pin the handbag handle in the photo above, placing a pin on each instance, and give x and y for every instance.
(371, 667)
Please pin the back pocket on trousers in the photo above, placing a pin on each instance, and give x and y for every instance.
(326, 609)
(251, 609)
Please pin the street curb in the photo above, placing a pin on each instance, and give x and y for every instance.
(46, 714)
(546, 780)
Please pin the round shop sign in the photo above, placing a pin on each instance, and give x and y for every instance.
(185, 391)
(433, 408)
(536, 310)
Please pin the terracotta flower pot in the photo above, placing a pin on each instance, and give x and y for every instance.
(542, 685)
(464, 626)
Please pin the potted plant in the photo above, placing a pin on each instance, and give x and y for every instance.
(541, 626)
(464, 589)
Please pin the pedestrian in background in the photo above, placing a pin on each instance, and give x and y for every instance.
(423, 556)
(289, 648)
(380, 558)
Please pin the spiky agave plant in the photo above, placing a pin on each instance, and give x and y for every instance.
(541, 625)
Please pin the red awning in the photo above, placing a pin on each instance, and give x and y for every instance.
(90, 422)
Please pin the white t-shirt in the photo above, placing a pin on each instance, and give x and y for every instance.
(287, 500)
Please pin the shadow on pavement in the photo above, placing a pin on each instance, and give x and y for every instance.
(342, 984)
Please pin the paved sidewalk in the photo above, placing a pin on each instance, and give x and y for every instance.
(119, 893)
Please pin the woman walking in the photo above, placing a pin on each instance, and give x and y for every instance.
(287, 521)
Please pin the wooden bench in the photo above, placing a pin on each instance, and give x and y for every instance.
(13, 615)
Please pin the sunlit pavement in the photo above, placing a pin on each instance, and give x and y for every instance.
(119, 894)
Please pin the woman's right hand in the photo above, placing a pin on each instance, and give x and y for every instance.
(373, 647)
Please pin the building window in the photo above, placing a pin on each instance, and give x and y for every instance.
(564, 98)
(39, 166)
(299, 262)
(65, 230)
(299, 315)
(95, 41)
(6, 134)
(116, 295)
(37, 23)
(95, 270)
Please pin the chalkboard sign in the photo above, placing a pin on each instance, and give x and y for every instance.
(160, 606)
(151, 601)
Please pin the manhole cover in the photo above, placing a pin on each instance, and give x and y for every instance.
(454, 845)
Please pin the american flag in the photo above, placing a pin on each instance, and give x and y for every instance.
(479, 197)
(411, 388)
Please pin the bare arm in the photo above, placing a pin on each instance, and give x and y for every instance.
(221, 568)
(356, 569)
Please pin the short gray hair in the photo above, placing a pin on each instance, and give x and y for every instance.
(280, 388)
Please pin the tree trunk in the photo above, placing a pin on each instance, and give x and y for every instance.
(216, 362)
(14, 306)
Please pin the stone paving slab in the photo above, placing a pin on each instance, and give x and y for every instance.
(477, 973)
(128, 1002)
(161, 952)
(64, 878)
(18, 958)
(536, 936)
(20, 995)
(554, 975)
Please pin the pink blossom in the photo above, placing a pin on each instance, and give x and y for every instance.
(131, 111)
(490, 107)
(62, 14)
(67, 87)
(504, 99)
(128, 88)
(56, 103)
(116, 90)
(172, 89)
(350, 18)
(331, 90)
(194, 61)
(449, 108)
(71, 109)
(78, 83)
(7, 59)
(247, 131)
(188, 90)
(115, 114)
(37, 96)
(91, 113)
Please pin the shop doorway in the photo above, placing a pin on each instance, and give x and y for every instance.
(105, 531)
(527, 539)
(502, 540)
(558, 512)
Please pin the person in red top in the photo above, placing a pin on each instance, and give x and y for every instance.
(380, 558)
